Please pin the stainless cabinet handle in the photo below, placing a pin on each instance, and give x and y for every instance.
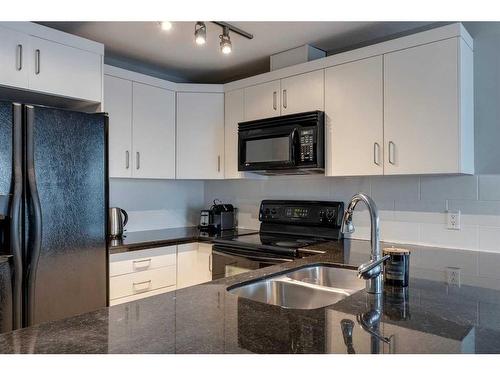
(127, 159)
(19, 57)
(392, 148)
(275, 103)
(142, 263)
(285, 101)
(37, 61)
(376, 153)
(137, 160)
(147, 283)
(218, 163)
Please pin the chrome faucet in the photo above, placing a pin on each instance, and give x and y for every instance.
(370, 271)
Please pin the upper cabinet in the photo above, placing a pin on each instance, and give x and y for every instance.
(14, 47)
(43, 60)
(153, 119)
(118, 104)
(295, 94)
(428, 109)
(354, 118)
(262, 100)
(234, 113)
(200, 135)
(141, 129)
(302, 93)
(65, 70)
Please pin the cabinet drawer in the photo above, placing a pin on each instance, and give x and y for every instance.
(141, 282)
(142, 260)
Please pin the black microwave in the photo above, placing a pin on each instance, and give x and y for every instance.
(291, 144)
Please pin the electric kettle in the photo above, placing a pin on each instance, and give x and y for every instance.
(117, 222)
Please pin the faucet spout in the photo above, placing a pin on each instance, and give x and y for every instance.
(372, 270)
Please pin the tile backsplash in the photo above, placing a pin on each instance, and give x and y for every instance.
(412, 208)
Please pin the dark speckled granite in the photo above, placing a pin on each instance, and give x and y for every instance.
(430, 318)
(154, 238)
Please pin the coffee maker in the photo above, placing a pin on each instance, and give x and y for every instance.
(218, 218)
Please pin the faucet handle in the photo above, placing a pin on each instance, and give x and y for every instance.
(369, 270)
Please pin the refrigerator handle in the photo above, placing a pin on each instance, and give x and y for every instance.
(15, 228)
(35, 230)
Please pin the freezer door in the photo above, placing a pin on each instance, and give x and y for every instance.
(67, 200)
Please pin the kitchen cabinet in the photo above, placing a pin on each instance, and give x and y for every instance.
(354, 118)
(153, 122)
(142, 273)
(428, 109)
(263, 100)
(14, 47)
(36, 58)
(303, 93)
(234, 112)
(64, 70)
(118, 104)
(295, 94)
(141, 129)
(200, 135)
(194, 264)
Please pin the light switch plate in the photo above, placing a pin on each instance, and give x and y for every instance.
(453, 219)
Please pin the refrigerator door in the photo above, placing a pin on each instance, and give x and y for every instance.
(11, 191)
(66, 200)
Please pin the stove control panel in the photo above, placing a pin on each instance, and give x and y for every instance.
(317, 213)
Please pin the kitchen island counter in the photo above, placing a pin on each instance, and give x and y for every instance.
(430, 317)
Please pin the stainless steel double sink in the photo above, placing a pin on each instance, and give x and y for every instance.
(309, 287)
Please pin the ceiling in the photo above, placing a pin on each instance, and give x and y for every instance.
(144, 47)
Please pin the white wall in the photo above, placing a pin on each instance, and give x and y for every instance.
(157, 204)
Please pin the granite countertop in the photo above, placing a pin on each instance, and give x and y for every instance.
(163, 237)
(430, 317)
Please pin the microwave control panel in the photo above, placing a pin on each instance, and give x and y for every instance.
(307, 142)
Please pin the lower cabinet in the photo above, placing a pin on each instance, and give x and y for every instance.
(194, 264)
(145, 273)
(142, 273)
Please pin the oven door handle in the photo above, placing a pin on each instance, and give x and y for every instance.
(225, 252)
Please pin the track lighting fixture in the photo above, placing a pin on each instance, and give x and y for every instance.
(225, 41)
(166, 25)
(200, 33)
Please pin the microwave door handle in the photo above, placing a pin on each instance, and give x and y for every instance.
(293, 145)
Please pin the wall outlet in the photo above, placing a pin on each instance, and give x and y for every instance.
(453, 219)
(453, 276)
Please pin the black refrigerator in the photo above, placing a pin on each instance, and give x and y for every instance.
(53, 212)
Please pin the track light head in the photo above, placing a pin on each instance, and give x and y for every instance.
(200, 33)
(225, 41)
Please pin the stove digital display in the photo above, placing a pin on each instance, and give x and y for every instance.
(296, 212)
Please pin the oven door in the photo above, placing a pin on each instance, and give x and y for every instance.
(227, 261)
(269, 148)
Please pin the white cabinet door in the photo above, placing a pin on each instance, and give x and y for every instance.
(14, 64)
(194, 264)
(234, 108)
(200, 135)
(153, 132)
(262, 100)
(421, 109)
(118, 104)
(354, 118)
(303, 93)
(66, 71)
